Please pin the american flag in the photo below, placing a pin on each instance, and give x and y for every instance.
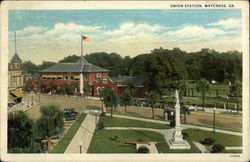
(85, 39)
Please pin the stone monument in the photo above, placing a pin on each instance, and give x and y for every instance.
(177, 142)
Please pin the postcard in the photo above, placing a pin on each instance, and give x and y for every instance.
(124, 81)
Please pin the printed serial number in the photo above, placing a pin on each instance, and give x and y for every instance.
(234, 155)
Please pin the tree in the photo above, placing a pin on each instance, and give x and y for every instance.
(45, 64)
(109, 99)
(39, 84)
(131, 87)
(152, 99)
(51, 86)
(102, 98)
(236, 91)
(29, 68)
(185, 111)
(125, 100)
(64, 88)
(69, 59)
(28, 86)
(86, 89)
(72, 86)
(21, 137)
(202, 87)
(51, 120)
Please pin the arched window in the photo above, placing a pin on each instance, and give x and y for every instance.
(98, 75)
(98, 90)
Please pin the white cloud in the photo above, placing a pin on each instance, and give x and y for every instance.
(128, 39)
(192, 32)
(30, 31)
(132, 28)
(228, 24)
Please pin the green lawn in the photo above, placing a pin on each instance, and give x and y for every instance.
(220, 138)
(64, 142)
(223, 90)
(104, 141)
(164, 148)
(121, 122)
(210, 102)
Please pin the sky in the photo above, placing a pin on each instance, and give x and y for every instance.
(51, 35)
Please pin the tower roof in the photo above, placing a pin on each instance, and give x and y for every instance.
(82, 60)
(15, 59)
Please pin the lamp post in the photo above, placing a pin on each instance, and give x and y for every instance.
(80, 144)
(32, 94)
(172, 115)
(214, 118)
(102, 103)
(227, 103)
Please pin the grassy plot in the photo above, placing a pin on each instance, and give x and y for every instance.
(220, 138)
(122, 122)
(211, 102)
(113, 141)
(64, 142)
(223, 90)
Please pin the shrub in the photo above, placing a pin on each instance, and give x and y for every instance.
(172, 123)
(185, 135)
(143, 149)
(100, 126)
(208, 141)
(217, 148)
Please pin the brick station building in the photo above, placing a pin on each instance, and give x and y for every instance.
(82, 73)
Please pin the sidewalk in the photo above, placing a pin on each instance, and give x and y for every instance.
(184, 126)
(83, 135)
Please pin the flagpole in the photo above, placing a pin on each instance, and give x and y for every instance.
(81, 46)
(15, 42)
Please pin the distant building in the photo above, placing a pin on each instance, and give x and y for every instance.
(82, 73)
(15, 78)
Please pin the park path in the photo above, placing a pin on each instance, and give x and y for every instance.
(233, 148)
(83, 135)
(184, 126)
(203, 148)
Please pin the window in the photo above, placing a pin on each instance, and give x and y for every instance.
(105, 81)
(98, 90)
(98, 75)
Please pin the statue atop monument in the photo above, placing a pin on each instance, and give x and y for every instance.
(177, 97)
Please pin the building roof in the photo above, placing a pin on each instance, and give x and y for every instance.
(82, 65)
(124, 80)
(15, 59)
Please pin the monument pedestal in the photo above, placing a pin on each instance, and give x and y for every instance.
(177, 142)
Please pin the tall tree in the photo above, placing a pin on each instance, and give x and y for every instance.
(125, 100)
(109, 99)
(236, 91)
(185, 111)
(202, 87)
(29, 67)
(51, 120)
(152, 99)
(21, 134)
(86, 89)
(72, 87)
(131, 87)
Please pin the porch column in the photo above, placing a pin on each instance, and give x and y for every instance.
(81, 83)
